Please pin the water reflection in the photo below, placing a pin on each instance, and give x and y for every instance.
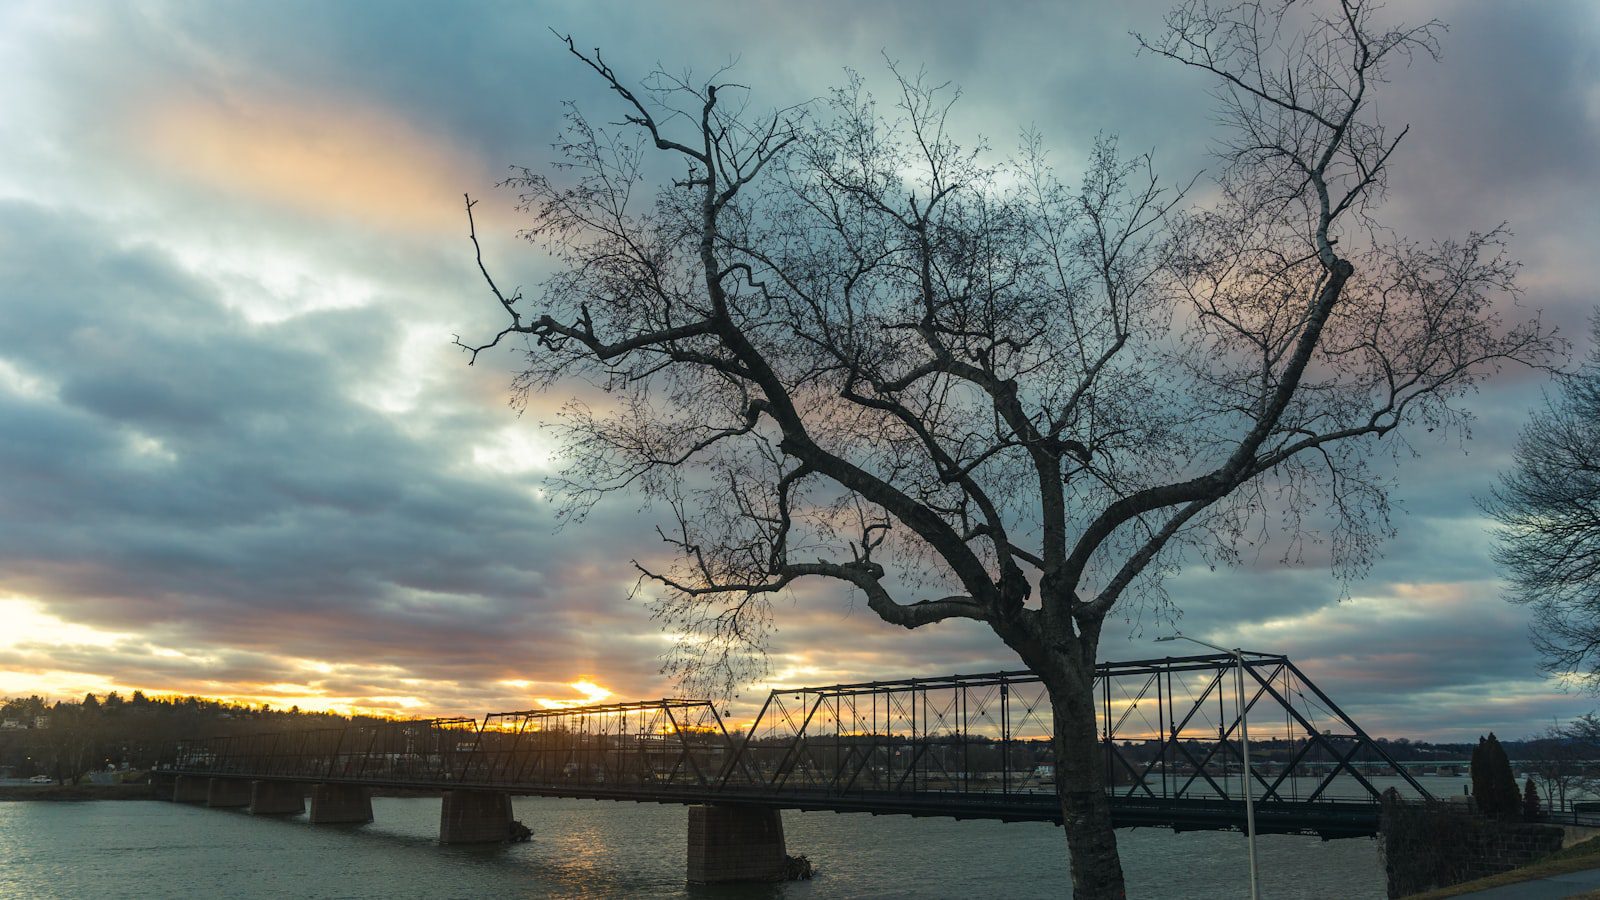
(587, 849)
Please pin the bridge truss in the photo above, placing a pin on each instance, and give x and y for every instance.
(970, 746)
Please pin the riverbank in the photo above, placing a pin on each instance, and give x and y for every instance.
(10, 792)
(75, 792)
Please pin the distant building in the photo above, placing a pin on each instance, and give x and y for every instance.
(41, 721)
(10, 725)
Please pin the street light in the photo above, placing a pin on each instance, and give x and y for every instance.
(1244, 743)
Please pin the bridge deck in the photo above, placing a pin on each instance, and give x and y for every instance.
(974, 746)
(1327, 819)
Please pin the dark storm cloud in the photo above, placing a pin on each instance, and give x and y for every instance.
(139, 666)
(190, 472)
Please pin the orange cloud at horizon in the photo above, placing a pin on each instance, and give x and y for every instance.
(322, 155)
(32, 649)
(72, 686)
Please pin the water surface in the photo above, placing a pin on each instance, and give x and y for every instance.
(589, 849)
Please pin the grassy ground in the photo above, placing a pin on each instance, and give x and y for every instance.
(1572, 859)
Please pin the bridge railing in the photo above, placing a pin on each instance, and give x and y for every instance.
(1169, 732)
(1169, 729)
(974, 734)
(653, 742)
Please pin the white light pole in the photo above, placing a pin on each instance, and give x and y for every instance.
(1244, 743)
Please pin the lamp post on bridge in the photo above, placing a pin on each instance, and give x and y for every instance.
(1244, 743)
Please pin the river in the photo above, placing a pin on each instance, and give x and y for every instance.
(584, 849)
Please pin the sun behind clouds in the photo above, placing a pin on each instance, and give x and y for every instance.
(591, 693)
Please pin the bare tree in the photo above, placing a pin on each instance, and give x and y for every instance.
(841, 345)
(1564, 760)
(1548, 507)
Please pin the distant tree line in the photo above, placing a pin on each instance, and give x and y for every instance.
(67, 739)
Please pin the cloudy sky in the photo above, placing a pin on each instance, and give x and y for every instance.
(240, 457)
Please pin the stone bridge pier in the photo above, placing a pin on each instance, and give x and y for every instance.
(277, 798)
(190, 789)
(340, 804)
(475, 817)
(729, 842)
(227, 793)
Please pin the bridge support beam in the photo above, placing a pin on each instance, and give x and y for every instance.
(227, 793)
(728, 842)
(276, 798)
(190, 789)
(475, 817)
(340, 804)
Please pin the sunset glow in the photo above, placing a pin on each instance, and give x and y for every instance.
(591, 694)
(886, 449)
(243, 459)
(309, 154)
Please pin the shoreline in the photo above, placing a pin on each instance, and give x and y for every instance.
(78, 792)
(72, 792)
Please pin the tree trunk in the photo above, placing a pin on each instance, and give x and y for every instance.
(1080, 785)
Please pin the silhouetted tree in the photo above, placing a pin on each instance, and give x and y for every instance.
(1494, 787)
(840, 345)
(71, 739)
(1548, 507)
(1530, 802)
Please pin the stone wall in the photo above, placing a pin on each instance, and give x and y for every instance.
(1426, 846)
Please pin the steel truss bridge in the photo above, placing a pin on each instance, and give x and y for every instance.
(967, 746)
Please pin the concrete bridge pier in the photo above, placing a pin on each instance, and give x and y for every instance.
(190, 789)
(227, 793)
(276, 798)
(728, 842)
(340, 804)
(475, 817)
